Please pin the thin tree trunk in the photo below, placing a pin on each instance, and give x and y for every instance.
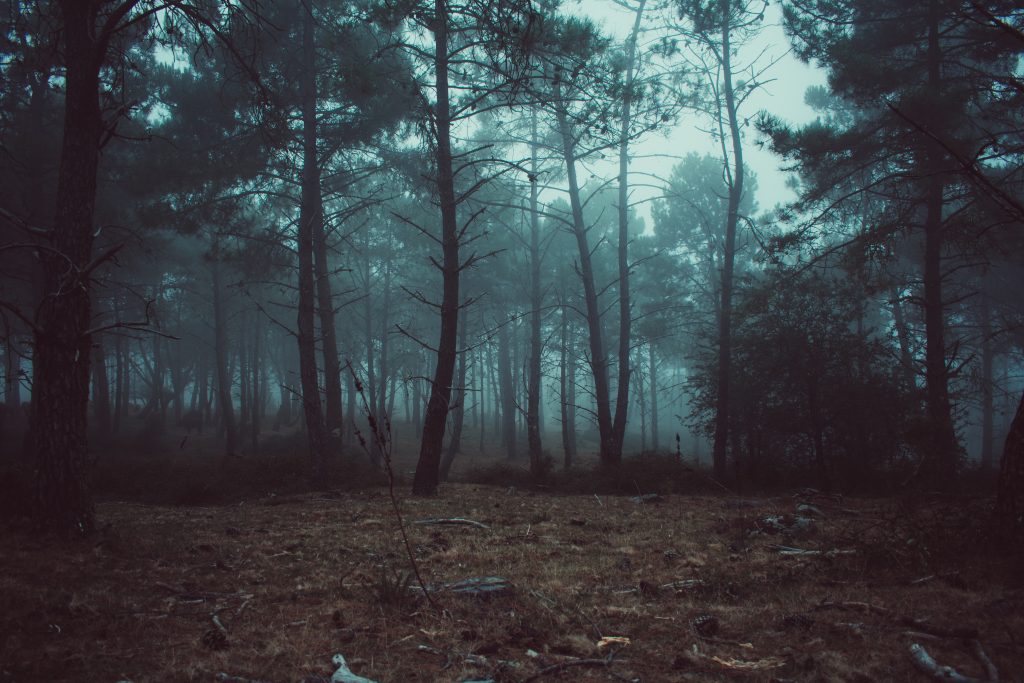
(987, 386)
(225, 404)
(903, 336)
(610, 452)
(505, 386)
(625, 311)
(735, 180)
(654, 396)
(1010, 490)
(100, 392)
(310, 213)
(329, 337)
(940, 464)
(567, 379)
(428, 467)
(458, 408)
(537, 465)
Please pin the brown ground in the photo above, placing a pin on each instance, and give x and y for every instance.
(699, 592)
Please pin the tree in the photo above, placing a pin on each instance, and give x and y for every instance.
(921, 74)
(489, 43)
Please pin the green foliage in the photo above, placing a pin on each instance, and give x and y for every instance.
(814, 392)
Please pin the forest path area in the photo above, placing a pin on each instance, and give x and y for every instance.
(594, 588)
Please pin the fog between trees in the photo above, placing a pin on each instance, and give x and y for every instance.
(426, 227)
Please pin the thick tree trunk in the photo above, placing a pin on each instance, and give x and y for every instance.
(62, 352)
(610, 452)
(428, 467)
(735, 180)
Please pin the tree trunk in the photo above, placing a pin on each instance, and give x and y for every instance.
(940, 463)
(734, 178)
(100, 392)
(987, 386)
(625, 311)
(537, 465)
(334, 420)
(12, 367)
(610, 452)
(62, 352)
(310, 213)
(458, 408)
(225, 404)
(428, 467)
(903, 336)
(506, 388)
(566, 395)
(1010, 496)
(654, 397)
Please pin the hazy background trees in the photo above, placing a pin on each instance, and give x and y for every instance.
(275, 220)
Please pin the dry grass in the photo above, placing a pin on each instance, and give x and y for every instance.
(294, 578)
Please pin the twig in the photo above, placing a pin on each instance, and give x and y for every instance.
(384, 448)
(453, 521)
(990, 668)
(574, 663)
(903, 620)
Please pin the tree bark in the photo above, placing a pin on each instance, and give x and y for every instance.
(567, 394)
(1010, 495)
(654, 397)
(310, 213)
(941, 462)
(987, 386)
(505, 387)
(608, 452)
(62, 353)
(458, 408)
(537, 465)
(428, 466)
(100, 392)
(734, 177)
(225, 403)
(333, 417)
(625, 311)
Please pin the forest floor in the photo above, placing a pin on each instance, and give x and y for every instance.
(596, 588)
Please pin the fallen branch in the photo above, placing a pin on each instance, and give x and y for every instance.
(452, 521)
(571, 664)
(903, 620)
(927, 665)
(990, 668)
(804, 552)
(228, 678)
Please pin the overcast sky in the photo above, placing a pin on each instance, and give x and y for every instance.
(784, 97)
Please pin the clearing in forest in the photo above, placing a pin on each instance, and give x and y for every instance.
(594, 588)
